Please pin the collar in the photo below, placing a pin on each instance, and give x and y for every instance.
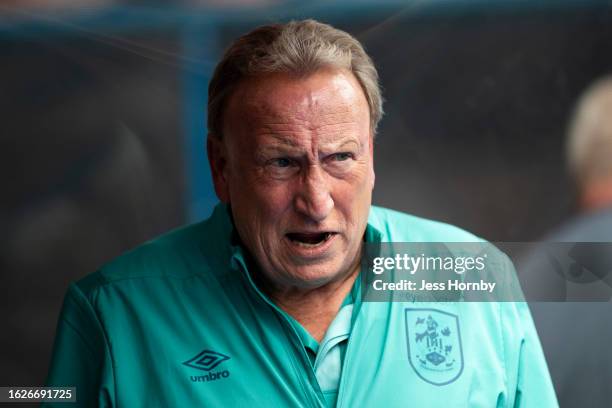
(240, 258)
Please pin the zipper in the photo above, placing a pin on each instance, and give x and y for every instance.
(349, 347)
(372, 236)
(317, 400)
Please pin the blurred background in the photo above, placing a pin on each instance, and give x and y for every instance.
(103, 125)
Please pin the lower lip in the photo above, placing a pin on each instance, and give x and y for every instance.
(312, 251)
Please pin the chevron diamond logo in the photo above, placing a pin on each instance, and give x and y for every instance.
(206, 360)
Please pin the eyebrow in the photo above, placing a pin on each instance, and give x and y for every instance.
(347, 142)
(283, 140)
(287, 143)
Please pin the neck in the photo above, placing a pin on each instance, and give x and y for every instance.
(596, 195)
(314, 308)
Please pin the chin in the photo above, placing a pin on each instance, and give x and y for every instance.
(314, 277)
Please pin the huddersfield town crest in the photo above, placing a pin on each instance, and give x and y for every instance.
(434, 345)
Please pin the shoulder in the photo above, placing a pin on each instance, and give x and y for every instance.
(397, 226)
(196, 249)
(594, 226)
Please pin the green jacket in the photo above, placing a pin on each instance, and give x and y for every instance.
(179, 322)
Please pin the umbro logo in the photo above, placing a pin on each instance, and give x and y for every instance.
(207, 360)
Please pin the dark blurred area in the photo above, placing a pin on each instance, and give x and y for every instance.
(103, 108)
(90, 152)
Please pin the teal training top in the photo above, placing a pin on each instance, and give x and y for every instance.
(179, 322)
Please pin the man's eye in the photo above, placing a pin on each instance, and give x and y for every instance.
(342, 156)
(281, 162)
(282, 167)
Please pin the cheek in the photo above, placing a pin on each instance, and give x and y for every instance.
(354, 194)
(262, 203)
(362, 179)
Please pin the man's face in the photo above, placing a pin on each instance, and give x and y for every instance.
(296, 166)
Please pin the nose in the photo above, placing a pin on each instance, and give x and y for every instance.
(313, 199)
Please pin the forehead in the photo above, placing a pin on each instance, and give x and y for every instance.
(322, 98)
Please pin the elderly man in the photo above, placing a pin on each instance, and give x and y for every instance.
(260, 304)
(582, 374)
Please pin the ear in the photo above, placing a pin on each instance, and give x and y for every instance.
(372, 159)
(217, 159)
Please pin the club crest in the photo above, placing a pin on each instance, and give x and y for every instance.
(434, 345)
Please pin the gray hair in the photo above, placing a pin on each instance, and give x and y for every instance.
(297, 47)
(589, 145)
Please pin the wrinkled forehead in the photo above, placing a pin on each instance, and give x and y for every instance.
(323, 98)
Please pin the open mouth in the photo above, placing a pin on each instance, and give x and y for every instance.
(310, 239)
